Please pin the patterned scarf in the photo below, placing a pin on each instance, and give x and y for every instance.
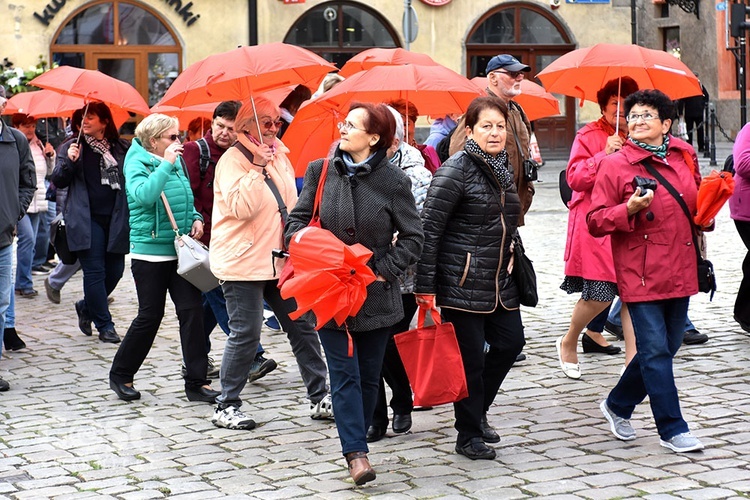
(660, 151)
(110, 174)
(498, 164)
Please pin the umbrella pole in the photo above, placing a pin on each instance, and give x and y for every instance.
(80, 128)
(255, 114)
(619, 89)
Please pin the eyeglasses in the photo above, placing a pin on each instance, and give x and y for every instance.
(513, 74)
(646, 117)
(171, 137)
(347, 126)
(268, 124)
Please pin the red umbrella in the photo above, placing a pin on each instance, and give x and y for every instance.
(92, 85)
(330, 277)
(50, 104)
(368, 59)
(581, 73)
(433, 90)
(535, 101)
(240, 73)
(714, 191)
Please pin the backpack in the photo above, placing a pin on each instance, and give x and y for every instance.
(205, 158)
(443, 147)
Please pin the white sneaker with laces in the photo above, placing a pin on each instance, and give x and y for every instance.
(682, 443)
(232, 418)
(323, 409)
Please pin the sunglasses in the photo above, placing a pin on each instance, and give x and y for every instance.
(171, 137)
(512, 74)
(268, 124)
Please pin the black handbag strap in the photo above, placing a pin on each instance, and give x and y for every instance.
(269, 182)
(670, 188)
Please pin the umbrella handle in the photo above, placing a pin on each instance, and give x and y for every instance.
(80, 129)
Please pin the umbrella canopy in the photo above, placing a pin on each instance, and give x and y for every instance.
(92, 85)
(581, 73)
(330, 277)
(714, 191)
(51, 104)
(240, 73)
(535, 101)
(368, 59)
(433, 90)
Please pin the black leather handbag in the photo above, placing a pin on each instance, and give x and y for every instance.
(524, 275)
(59, 239)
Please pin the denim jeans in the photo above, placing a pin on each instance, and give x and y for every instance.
(659, 329)
(28, 227)
(152, 281)
(354, 381)
(597, 324)
(245, 308)
(62, 273)
(6, 286)
(102, 271)
(614, 316)
(41, 245)
(215, 313)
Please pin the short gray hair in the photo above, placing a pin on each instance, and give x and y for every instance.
(399, 123)
(153, 126)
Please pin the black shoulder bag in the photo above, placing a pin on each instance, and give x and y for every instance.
(706, 276)
(529, 166)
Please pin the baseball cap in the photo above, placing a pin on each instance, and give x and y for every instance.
(507, 62)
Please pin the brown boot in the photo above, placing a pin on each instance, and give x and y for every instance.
(359, 467)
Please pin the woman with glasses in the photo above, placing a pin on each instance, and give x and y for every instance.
(96, 213)
(154, 166)
(654, 258)
(588, 261)
(365, 200)
(247, 226)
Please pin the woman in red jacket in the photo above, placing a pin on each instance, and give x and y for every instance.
(654, 258)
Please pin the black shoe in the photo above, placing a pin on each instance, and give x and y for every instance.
(589, 345)
(124, 392)
(4, 385)
(615, 330)
(260, 367)
(488, 433)
(475, 449)
(743, 325)
(12, 341)
(84, 322)
(401, 423)
(375, 433)
(692, 337)
(202, 394)
(521, 357)
(110, 336)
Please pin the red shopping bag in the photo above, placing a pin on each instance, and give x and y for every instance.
(433, 362)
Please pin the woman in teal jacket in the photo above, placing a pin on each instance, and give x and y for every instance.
(154, 165)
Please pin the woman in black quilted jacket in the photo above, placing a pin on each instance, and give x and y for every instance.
(470, 218)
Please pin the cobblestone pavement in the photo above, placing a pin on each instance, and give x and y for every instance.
(64, 434)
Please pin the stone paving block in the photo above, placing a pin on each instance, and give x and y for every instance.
(44, 492)
(548, 488)
(666, 485)
(708, 494)
(721, 477)
(142, 495)
(608, 493)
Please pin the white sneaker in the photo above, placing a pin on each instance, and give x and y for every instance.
(232, 418)
(619, 426)
(682, 443)
(323, 409)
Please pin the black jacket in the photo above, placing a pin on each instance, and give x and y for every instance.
(467, 240)
(367, 208)
(18, 181)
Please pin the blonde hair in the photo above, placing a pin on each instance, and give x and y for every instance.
(153, 126)
(246, 115)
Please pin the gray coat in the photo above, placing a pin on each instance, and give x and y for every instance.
(367, 208)
(18, 184)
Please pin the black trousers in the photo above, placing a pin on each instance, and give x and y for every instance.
(742, 303)
(393, 372)
(695, 122)
(152, 281)
(503, 331)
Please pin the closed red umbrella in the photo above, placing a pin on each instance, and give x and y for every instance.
(714, 191)
(368, 59)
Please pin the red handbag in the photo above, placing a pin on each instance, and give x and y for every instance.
(433, 361)
(288, 271)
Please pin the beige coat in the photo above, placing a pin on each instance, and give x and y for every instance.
(246, 221)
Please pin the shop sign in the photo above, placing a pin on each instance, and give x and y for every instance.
(184, 12)
(436, 3)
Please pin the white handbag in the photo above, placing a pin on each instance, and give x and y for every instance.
(192, 257)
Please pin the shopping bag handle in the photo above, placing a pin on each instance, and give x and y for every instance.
(423, 314)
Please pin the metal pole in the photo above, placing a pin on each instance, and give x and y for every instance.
(743, 82)
(706, 137)
(407, 23)
(633, 36)
(712, 112)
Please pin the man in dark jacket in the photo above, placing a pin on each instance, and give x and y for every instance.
(18, 184)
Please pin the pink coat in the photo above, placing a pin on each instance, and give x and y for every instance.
(654, 259)
(586, 256)
(739, 203)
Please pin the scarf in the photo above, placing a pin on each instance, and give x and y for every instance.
(610, 130)
(110, 174)
(498, 164)
(660, 151)
(351, 167)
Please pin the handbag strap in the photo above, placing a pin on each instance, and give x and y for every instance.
(423, 314)
(515, 134)
(169, 214)
(319, 191)
(269, 182)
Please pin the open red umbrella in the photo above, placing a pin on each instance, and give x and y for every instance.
(433, 90)
(368, 59)
(582, 72)
(92, 85)
(535, 101)
(51, 104)
(714, 191)
(330, 277)
(246, 71)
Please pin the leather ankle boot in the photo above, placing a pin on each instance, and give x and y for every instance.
(359, 467)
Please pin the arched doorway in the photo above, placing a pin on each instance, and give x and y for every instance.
(535, 37)
(339, 30)
(124, 39)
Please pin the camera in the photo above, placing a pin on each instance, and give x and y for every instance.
(531, 170)
(644, 183)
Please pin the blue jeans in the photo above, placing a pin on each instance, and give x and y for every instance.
(41, 245)
(102, 271)
(6, 286)
(659, 329)
(354, 381)
(614, 316)
(28, 227)
(215, 313)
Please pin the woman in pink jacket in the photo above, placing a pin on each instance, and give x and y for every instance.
(739, 208)
(588, 260)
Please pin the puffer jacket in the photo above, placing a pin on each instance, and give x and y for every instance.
(366, 208)
(467, 239)
(147, 176)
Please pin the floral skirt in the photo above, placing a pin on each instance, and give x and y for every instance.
(600, 291)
